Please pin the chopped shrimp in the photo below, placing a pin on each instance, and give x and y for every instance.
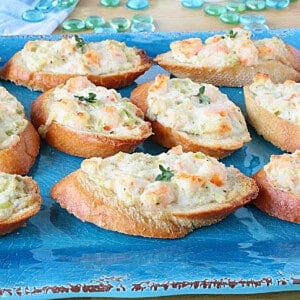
(160, 84)
(110, 117)
(189, 47)
(92, 58)
(78, 83)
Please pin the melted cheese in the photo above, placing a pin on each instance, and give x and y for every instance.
(66, 56)
(14, 195)
(283, 172)
(132, 179)
(83, 106)
(179, 104)
(283, 100)
(12, 119)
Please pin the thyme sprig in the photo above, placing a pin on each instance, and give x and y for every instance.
(91, 98)
(165, 175)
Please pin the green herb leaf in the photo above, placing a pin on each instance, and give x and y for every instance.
(80, 43)
(91, 98)
(231, 34)
(203, 98)
(165, 175)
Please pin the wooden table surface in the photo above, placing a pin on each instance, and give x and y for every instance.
(169, 15)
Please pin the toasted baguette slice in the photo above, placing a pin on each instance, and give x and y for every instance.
(280, 197)
(42, 65)
(19, 141)
(84, 120)
(164, 196)
(181, 115)
(231, 60)
(273, 110)
(19, 200)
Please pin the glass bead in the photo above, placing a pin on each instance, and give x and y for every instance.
(119, 23)
(192, 3)
(214, 9)
(256, 26)
(230, 17)
(137, 4)
(236, 6)
(93, 22)
(256, 4)
(252, 19)
(62, 4)
(73, 25)
(110, 3)
(33, 15)
(278, 4)
(142, 27)
(46, 5)
(105, 29)
(142, 18)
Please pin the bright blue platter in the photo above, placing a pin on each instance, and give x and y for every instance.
(57, 256)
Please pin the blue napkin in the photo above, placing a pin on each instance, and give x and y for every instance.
(11, 22)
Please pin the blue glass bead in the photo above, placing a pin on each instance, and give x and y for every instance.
(120, 23)
(33, 15)
(137, 4)
(230, 18)
(142, 18)
(236, 6)
(105, 29)
(256, 4)
(46, 5)
(142, 27)
(252, 19)
(73, 25)
(192, 3)
(256, 26)
(278, 4)
(110, 3)
(62, 4)
(214, 9)
(93, 22)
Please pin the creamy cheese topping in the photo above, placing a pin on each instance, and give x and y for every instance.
(282, 100)
(199, 110)
(74, 56)
(283, 172)
(12, 119)
(173, 181)
(233, 48)
(14, 195)
(83, 106)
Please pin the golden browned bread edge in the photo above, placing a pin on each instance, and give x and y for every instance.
(19, 158)
(274, 201)
(278, 131)
(14, 71)
(80, 143)
(73, 195)
(169, 137)
(18, 219)
(234, 76)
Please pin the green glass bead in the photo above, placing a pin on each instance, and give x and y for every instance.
(119, 23)
(246, 19)
(93, 22)
(278, 4)
(236, 6)
(142, 18)
(256, 4)
(105, 29)
(73, 25)
(192, 3)
(214, 9)
(230, 18)
(46, 5)
(110, 3)
(62, 4)
(256, 26)
(142, 27)
(33, 15)
(137, 4)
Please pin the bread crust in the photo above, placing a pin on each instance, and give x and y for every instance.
(75, 194)
(278, 131)
(19, 158)
(19, 218)
(14, 71)
(232, 76)
(81, 143)
(274, 201)
(169, 137)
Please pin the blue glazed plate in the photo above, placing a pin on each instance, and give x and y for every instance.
(57, 256)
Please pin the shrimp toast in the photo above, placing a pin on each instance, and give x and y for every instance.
(86, 120)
